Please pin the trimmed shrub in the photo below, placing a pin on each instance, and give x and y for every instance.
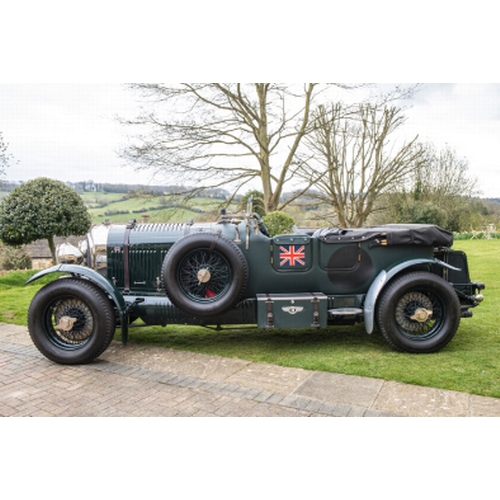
(279, 223)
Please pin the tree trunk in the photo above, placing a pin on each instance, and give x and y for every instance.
(52, 247)
(263, 140)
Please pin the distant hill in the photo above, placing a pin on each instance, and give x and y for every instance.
(95, 187)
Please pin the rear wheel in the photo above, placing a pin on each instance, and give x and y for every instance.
(418, 312)
(71, 321)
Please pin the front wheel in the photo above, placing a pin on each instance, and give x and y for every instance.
(418, 312)
(71, 321)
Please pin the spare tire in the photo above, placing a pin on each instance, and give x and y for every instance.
(205, 274)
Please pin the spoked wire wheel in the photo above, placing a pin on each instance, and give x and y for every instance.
(418, 312)
(204, 276)
(71, 321)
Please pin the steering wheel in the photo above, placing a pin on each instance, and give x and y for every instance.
(262, 227)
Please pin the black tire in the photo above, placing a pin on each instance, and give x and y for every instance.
(418, 312)
(205, 275)
(89, 310)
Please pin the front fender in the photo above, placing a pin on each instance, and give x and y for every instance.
(96, 278)
(384, 277)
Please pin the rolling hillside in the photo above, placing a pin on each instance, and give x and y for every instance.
(120, 208)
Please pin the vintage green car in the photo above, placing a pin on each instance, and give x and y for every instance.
(403, 279)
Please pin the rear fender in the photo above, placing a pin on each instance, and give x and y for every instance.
(383, 278)
(99, 280)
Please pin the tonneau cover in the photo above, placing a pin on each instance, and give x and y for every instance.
(390, 235)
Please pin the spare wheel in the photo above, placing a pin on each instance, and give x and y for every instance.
(205, 274)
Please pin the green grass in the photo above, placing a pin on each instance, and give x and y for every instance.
(470, 363)
(15, 297)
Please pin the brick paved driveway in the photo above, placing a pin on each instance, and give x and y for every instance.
(141, 381)
(30, 385)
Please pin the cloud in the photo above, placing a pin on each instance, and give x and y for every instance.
(68, 131)
(466, 101)
(466, 117)
(65, 131)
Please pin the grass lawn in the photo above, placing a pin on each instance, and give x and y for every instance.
(15, 297)
(470, 363)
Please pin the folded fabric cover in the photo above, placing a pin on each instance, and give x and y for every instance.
(390, 235)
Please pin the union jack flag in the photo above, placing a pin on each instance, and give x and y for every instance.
(291, 256)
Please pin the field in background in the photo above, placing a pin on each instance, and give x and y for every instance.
(120, 208)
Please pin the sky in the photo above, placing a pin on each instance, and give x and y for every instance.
(69, 131)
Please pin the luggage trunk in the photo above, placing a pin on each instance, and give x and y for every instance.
(303, 310)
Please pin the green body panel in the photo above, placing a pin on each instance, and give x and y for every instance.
(332, 269)
(148, 245)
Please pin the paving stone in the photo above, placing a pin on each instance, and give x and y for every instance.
(356, 412)
(151, 382)
(341, 410)
(275, 399)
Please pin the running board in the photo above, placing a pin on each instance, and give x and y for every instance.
(345, 311)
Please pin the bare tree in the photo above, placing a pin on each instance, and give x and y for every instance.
(220, 134)
(355, 158)
(441, 191)
(444, 175)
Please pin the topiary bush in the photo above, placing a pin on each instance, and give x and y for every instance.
(42, 209)
(279, 223)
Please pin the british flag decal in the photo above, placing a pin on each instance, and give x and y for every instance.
(292, 256)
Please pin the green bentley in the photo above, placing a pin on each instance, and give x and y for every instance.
(403, 280)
